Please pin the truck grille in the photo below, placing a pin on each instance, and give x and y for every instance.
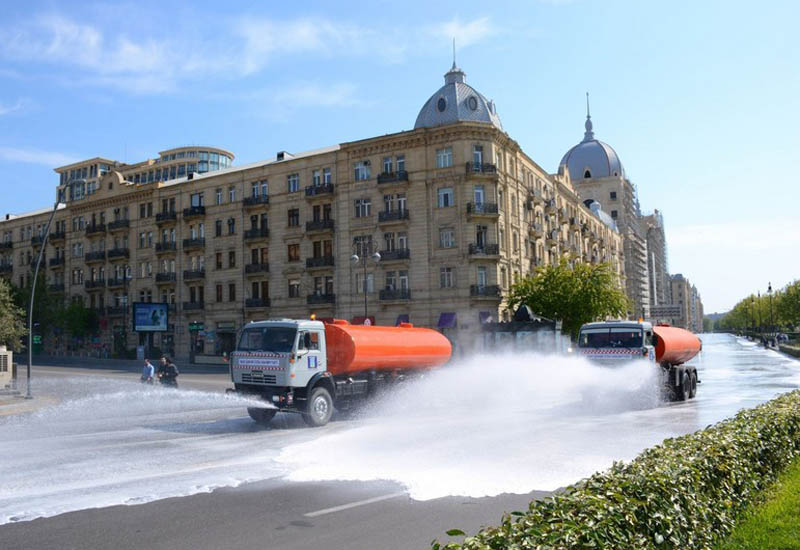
(258, 377)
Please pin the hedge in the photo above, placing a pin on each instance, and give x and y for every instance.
(685, 493)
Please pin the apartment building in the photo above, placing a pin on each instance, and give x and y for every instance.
(430, 225)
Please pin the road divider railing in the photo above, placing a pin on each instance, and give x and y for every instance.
(687, 492)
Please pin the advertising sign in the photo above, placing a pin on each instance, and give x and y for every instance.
(150, 317)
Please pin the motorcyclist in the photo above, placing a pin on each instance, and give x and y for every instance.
(168, 372)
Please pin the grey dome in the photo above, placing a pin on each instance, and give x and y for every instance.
(456, 102)
(591, 158)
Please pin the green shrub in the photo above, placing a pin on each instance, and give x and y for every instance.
(685, 493)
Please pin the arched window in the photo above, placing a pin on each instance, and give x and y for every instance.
(587, 174)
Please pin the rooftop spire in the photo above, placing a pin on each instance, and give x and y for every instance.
(454, 54)
(588, 135)
(454, 74)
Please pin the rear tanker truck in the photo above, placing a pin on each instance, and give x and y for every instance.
(614, 342)
(310, 367)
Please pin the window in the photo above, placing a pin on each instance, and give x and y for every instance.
(218, 257)
(445, 197)
(326, 176)
(293, 252)
(400, 160)
(482, 278)
(218, 228)
(316, 178)
(197, 199)
(387, 165)
(219, 195)
(361, 170)
(503, 277)
(360, 283)
(477, 156)
(294, 288)
(293, 182)
(515, 242)
(294, 217)
(363, 208)
(232, 292)
(587, 174)
(444, 157)
(231, 226)
(363, 245)
(219, 293)
(447, 238)
(232, 193)
(446, 279)
(614, 214)
(479, 194)
(231, 258)
(613, 195)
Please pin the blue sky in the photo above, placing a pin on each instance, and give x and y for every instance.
(699, 99)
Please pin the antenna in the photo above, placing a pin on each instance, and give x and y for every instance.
(587, 106)
(454, 52)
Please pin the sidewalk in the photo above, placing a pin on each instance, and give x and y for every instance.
(11, 404)
(126, 365)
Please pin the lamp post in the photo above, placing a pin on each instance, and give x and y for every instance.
(753, 312)
(355, 260)
(771, 322)
(28, 394)
(758, 313)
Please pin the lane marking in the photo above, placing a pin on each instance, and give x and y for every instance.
(353, 505)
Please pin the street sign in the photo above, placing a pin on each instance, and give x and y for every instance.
(195, 326)
(37, 339)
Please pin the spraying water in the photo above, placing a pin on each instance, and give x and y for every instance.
(489, 425)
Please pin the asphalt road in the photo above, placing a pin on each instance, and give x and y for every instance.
(263, 515)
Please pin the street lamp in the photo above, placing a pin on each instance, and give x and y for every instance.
(758, 312)
(28, 394)
(771, 322)
(355, 259)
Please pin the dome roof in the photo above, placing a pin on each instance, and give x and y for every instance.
(456, 102)
(591, 158)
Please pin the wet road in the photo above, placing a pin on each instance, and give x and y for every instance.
(454, 450)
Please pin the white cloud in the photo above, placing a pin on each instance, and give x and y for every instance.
(465, 32)
(34, 156)
(20, 105)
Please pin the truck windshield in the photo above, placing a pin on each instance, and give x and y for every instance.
(610, 338)
(268, 339)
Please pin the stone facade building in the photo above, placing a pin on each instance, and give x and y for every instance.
(455, 208)
(657, 269)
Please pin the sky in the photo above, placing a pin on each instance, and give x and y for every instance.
(698, 98)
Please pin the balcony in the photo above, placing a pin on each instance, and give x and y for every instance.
(481, 168)
(193, 306)
(552, 237)
(57, 288)
(259, 200)
(166, 217)
(96, 229)
(162, 278)
(194, 212)
(321, 261)
(116, 311)
(119, 253)
(484, 250)
(37, 240)
(393, 216)
(550, 206)
(485, 291)
(536, 230)
(7, 245)
(97, 256)
(317, 190)
(257, 302)
(189, 244)
(396, 254)
(166, 246)
(316, 299)
(58, 261)
(193, 275)
(6, 268)
(389, 294)
(393, 177)
(116, 282)
(536, 196)
(256, 233)
(319, 225)
(95, 285)
(488, 209)
(119, 225)
(252, 269)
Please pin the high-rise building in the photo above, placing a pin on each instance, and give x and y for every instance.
(657, 270)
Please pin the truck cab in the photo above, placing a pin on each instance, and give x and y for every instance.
(280, 361)
(612, 342)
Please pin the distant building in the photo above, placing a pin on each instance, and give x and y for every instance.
(657, 270)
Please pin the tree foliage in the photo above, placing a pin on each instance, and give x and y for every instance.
(756, 312)
(80, 321)
(48, 307)
(575, 294)
(12, 318)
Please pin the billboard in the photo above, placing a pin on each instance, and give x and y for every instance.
(150, 317)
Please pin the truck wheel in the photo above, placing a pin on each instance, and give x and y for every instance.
(693, 385)
(261, 415)
(684, 389)
(320, 407)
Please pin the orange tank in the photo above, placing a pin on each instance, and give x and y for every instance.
(353, 348)
(675, 345)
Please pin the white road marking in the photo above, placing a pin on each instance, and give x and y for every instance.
(353, 505)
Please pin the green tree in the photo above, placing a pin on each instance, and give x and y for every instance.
(787, 304)
(575, 294)
(47, 307)
(708, 324)
(12, 318)
(79, 321)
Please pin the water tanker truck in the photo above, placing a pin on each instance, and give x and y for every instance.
(310, 367)
(614, 342)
